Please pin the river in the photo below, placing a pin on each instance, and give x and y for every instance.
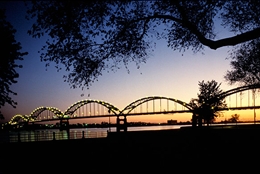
(76, 133)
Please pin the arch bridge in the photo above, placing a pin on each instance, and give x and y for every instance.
(36, 115)
(152, 105)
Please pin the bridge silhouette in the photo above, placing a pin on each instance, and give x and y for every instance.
(141, 107)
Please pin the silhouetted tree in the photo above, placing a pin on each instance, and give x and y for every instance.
(245, 64)
(208, 102)
(89, 37)
(234, 118)
(10, 52)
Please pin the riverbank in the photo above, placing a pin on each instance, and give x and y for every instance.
(136, 152)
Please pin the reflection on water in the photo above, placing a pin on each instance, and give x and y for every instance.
(79, 133)
(51, 134)
(163, 127)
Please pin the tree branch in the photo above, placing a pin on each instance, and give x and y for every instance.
(213, 44)
(231, 41)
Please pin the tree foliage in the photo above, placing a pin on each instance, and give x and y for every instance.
(209, 101)
(10, 53)
(234, 118)
(89, 37)
(245, 64)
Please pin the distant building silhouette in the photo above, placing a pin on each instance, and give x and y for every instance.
(172, 121)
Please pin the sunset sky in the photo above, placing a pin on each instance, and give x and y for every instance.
(166, 73)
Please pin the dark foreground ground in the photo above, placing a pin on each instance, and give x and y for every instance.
(235, 150)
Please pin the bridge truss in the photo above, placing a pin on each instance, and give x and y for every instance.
(143, 106)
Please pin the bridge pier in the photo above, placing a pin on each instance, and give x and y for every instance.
(194, 120)
(64, 124)
(121, 123)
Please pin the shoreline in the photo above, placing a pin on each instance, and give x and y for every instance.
(145, 151)
(167, 134)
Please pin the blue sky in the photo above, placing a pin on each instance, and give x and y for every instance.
(166, 73)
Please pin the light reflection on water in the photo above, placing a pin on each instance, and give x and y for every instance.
(55, 134)
(164, 127)
(77, 133)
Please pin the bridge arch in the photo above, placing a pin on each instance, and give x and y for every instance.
(77, 105)
(239, 89)
(15, 119)
(138, 102)
(36, 112)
